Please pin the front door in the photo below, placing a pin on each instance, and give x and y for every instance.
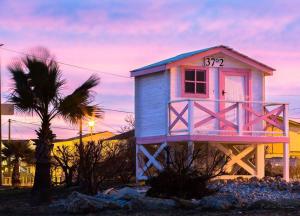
(233, 88)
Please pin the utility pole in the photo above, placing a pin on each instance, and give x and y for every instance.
(9, 142)
(80, 148)
(9, 130)
(0, 126)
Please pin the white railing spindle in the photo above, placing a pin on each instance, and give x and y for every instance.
(239, 118)
(190, 116)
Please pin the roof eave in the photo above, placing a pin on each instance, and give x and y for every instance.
(146, 71)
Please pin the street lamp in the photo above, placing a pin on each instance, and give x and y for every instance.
(91, 124)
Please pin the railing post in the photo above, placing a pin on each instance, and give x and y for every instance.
(190, 116)
(286, 151)
(286, 120)
(239, 118)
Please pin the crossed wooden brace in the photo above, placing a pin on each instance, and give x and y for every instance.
(237, 159)
(270, 117)
(179, 116)
(151, 158)
(216, 115)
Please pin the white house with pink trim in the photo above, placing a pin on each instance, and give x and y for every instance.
(213, 96)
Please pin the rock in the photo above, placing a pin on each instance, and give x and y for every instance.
(253, 179)
(58, 206)
(264, 204)
(268, 179)
(219, 202)
(187, 204)
(290, 203)
(149, 203)
(127, 193)
(80, 203)
(295, 187)
(110, 191)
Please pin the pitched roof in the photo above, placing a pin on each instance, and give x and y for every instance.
(77, 137)
(160, 65)
(122, 136)
(292, 122)
(173, 59)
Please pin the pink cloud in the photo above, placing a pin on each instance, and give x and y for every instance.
(161, 30)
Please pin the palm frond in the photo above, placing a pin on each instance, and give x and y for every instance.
(22, 95)
(78, 104)
(18, 149)
(45, 78)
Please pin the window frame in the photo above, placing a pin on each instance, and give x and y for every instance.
(183, 80)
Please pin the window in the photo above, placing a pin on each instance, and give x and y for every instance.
(195, 82)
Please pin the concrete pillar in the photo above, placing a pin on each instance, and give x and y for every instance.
(260, 160)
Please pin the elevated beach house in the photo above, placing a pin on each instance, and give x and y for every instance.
(215, 97)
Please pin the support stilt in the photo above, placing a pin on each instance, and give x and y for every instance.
(260, 160)
(286, 151)
(286, 162)
(137, 167)
(190, 151)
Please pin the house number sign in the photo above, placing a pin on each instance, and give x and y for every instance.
(213, 62)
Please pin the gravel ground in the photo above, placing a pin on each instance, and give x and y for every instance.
(16, 202)
(44, 211)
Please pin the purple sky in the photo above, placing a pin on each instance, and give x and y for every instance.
(117, 36)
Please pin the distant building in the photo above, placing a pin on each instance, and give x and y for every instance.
(27, 171)
(274, 151)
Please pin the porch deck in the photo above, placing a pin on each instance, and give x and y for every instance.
(226, 121)
(233, 121)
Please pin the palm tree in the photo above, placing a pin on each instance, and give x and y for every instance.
(37, 89)
(15, 152)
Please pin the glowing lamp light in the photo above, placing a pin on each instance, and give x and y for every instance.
(91, 123)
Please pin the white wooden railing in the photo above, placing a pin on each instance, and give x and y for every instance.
(236, 118)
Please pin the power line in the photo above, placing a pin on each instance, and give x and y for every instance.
(107, 126)
(70, 65)
(56, 127)
(117, 110)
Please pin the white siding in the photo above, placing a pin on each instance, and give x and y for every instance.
(154, 91)
(151, 101)
(175, 88)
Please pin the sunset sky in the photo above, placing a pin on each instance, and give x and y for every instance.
(118, 36)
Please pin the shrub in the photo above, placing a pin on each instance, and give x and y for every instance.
(187, 177)
(169, 183)
(105, 163)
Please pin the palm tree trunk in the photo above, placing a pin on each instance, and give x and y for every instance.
(15, 178)
(41, 190)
